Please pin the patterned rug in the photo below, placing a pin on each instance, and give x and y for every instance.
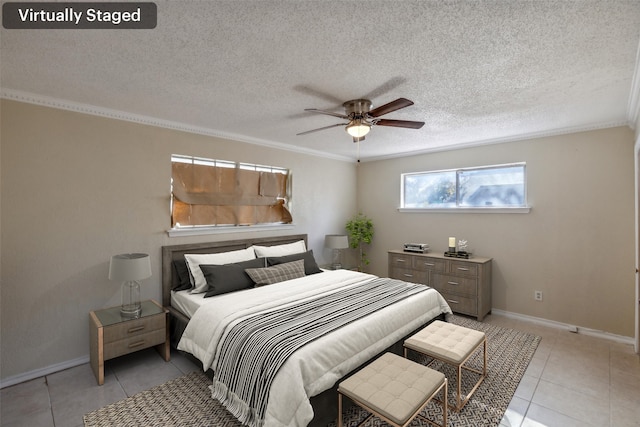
(186, 401)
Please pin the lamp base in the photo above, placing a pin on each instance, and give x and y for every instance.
(130, 311)
(131, 306)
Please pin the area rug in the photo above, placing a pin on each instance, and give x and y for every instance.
(186, 401)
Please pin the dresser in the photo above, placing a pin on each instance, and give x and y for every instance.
(464, 283)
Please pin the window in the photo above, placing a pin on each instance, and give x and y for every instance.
(207, 192)
(489, 187)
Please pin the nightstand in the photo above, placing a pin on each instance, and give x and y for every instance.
(112, 335)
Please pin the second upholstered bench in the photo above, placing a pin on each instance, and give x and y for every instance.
(454, 345)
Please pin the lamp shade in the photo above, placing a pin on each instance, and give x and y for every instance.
(129, 267)
(336, 241)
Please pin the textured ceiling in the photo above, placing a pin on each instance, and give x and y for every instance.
(477, 71)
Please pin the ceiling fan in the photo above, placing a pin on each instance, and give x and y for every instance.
(361, 117)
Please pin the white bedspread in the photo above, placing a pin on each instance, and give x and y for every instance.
(317, 366)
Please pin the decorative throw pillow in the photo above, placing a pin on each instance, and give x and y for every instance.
(310, 264)
(182, 274)
(280, 250)
(277, 273)
(229, 277)
(194, 261)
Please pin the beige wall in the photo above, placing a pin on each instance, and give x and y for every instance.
(576, 245)
(77, 189)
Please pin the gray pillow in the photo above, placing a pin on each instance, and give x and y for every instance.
(225, 278)
(277, 273)
(310, 265)
(182, 274)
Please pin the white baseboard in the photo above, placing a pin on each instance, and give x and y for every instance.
(37, 373)
(565, 326)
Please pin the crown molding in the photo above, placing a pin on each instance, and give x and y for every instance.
(63, 104)
(633, 110)
(503, 140)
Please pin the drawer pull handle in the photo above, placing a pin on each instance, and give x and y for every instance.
(401, 260)
(136, 344)
(453, 283)
(452, 301)
(463, 269)
(428, 264)
(408, 275)
(135, 329)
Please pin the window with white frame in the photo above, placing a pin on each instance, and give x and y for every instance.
(487, 187)
(210, 193)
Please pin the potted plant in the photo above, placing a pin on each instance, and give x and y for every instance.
(360, 230)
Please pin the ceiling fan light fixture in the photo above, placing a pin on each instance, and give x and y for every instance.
(358, 128)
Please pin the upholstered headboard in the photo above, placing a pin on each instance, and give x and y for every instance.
(176, 252)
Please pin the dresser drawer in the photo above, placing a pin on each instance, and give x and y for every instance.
(429, 264)
(134, 343)
(409, 275)
(134, 328)
(400, 261)
(466, 268)
(455, 284)
(461, 304)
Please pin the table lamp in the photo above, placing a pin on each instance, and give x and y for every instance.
(130, 269)
(337, 242)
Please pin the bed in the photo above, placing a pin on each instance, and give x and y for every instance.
(344, 319)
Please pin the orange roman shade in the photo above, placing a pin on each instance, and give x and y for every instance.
(222, 195)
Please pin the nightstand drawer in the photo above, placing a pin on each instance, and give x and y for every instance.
(455, 284)
(461, 304)
(466, 268)
(134, 343)
(134, 328)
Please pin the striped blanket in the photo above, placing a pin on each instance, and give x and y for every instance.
(256, 347)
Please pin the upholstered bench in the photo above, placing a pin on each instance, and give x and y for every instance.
(454, 345)
(394, 389)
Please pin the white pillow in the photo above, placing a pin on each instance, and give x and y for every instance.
(194, 261)
(280, 250)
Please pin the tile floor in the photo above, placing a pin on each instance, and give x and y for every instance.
(573, 380)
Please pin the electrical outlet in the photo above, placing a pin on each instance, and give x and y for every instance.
(537, 295)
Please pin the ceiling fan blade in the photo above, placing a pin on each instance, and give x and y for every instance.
(399, 123)
(330, 113)
(322, 128)
(391, 106)
(307, 90)
(387, 86)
